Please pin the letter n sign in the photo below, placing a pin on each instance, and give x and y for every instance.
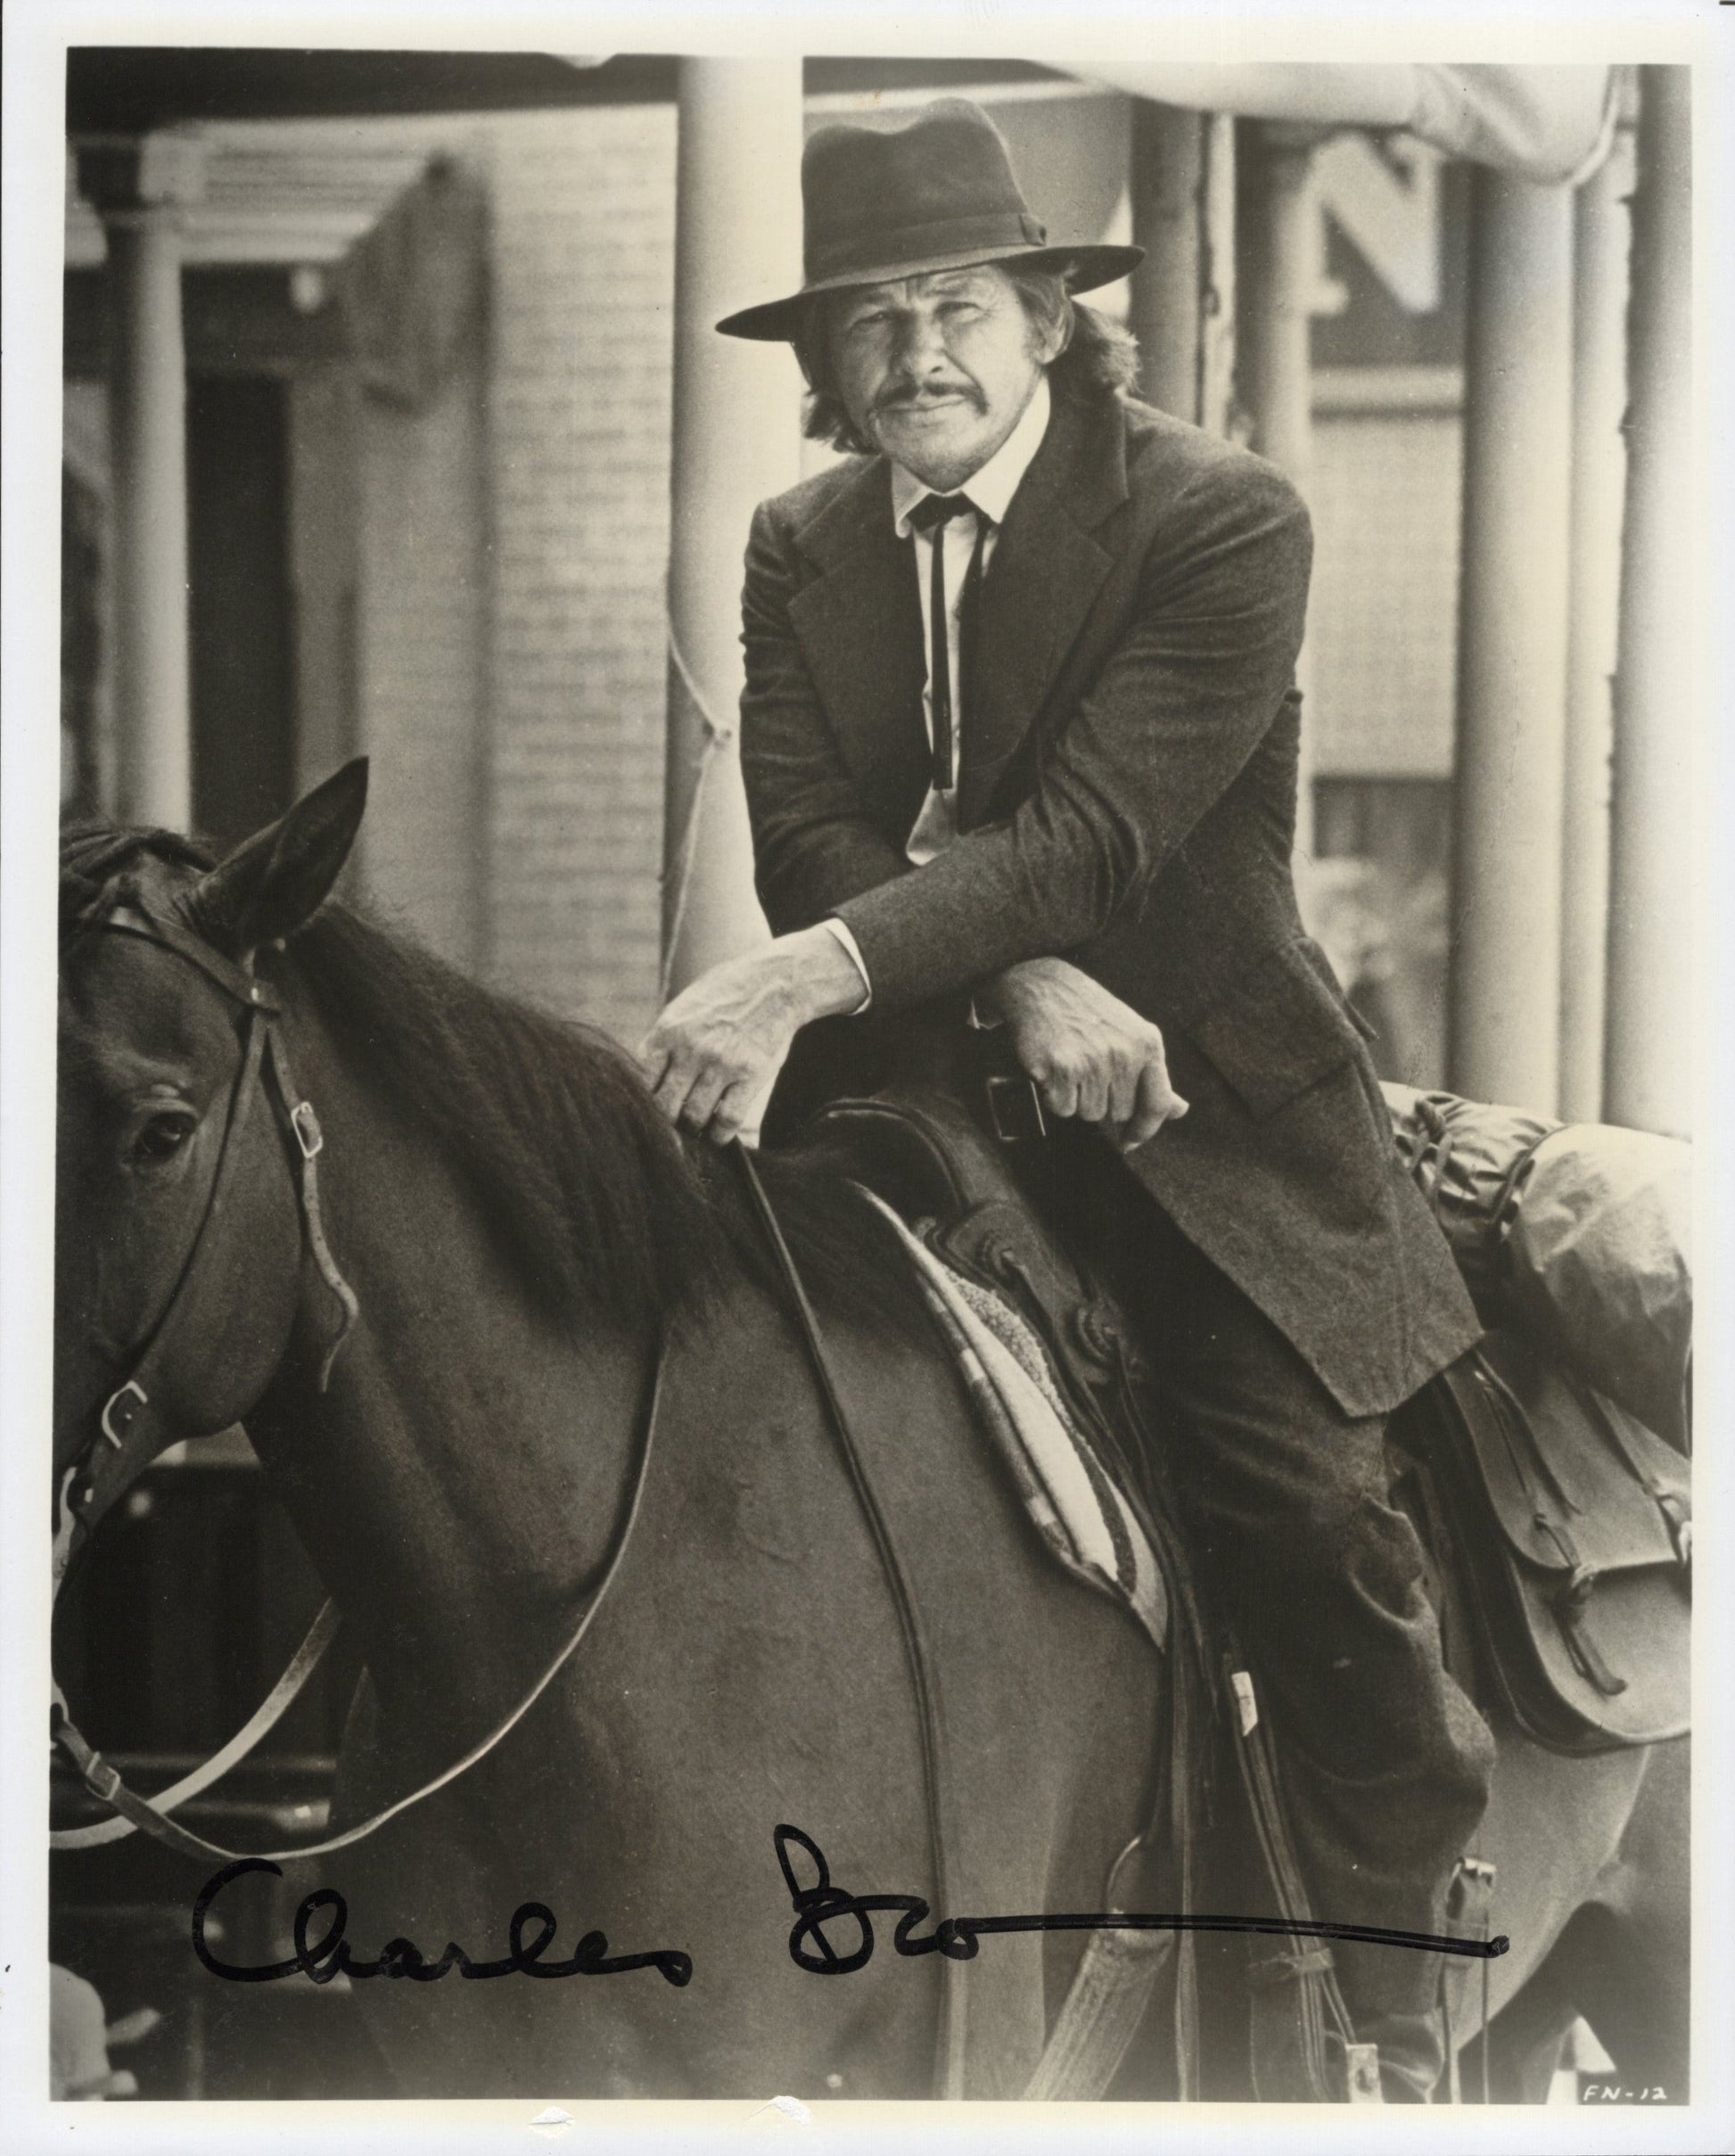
(1386, 199)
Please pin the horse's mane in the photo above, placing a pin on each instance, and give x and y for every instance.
(585, 1190)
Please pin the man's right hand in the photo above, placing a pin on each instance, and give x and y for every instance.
(1090, 1054)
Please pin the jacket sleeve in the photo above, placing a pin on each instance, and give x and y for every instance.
(814, 843)
(1199, 678)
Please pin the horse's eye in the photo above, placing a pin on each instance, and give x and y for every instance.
(162, 1138)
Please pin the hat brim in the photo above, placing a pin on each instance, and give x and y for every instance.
(1087, 268)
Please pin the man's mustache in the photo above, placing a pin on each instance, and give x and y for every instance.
(904, 394)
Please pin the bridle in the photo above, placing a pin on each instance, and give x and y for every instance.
(131, 1427)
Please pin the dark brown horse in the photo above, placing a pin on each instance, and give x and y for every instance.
(523, 1231)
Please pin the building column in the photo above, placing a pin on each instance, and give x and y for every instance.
(736, 439)
(140, 189)
(1274, 333)
(1182, 294)
(1505, 987)
(1647, 1068)
(1600, 233)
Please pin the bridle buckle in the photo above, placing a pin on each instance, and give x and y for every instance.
(114, 1408)
(309, 1135)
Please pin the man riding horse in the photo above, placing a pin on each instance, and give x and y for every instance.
(1020, 740)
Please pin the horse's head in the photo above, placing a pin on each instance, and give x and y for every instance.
(179, 1238)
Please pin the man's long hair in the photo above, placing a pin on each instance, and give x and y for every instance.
(1098, 358)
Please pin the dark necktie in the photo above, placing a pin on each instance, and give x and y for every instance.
(931, 515)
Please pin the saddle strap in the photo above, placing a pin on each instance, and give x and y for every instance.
(1104, 2004)
(948, 2058)
(1297, 2010)
(1470, 1914)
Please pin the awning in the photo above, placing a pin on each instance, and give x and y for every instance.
(1544, 123)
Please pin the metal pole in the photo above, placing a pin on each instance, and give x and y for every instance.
(139, 189)
(1505, 989)
(735, 440)
(1647, 1071)
(1600, 232)
(1276, 370)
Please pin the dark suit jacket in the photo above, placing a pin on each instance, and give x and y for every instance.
(1127, 800)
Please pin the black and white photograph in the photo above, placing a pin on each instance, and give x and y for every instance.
(861, 1130)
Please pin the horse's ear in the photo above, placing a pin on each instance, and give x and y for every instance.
(271, 885)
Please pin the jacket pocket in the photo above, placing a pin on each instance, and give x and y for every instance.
(1281, 1026)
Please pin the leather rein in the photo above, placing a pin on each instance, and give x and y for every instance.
(131, 1430)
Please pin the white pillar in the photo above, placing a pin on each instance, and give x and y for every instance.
(1275, 372)
(1647, 1073)
(1217, 324)
(140, 188)
(1505, 991)
(1276, 367)
(736, 439)
(1601, 233)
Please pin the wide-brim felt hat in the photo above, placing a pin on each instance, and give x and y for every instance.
(885, 203)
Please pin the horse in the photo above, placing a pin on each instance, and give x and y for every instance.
(576, 1367)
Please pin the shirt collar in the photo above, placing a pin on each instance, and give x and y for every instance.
(993, 487)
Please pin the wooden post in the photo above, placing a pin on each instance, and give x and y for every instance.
(736, 439)
(1274, 330)
(1167, 161)
(1600, 233)
(1647, 1070)
(1182, 294)
(140, 188)
(1505, 986)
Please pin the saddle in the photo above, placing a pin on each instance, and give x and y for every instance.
(921, 1152)
(1556, 1527)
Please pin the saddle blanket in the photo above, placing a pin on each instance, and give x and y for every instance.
(1072, 1500)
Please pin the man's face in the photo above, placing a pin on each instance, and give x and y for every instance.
(937, 370)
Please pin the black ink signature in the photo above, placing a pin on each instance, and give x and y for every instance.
(959, 1938)
(328, 1956)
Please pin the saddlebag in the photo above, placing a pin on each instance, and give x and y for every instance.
(1573, 1526)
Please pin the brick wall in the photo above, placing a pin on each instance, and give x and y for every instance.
(584, 210)
(1383, 613)
(512, 546)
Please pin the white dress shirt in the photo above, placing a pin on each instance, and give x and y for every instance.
(991, 489)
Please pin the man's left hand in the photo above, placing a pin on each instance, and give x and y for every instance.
(719, 1044)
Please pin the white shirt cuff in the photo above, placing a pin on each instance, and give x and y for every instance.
(850, 944)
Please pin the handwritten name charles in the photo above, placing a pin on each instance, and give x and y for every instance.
(329, 1955)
